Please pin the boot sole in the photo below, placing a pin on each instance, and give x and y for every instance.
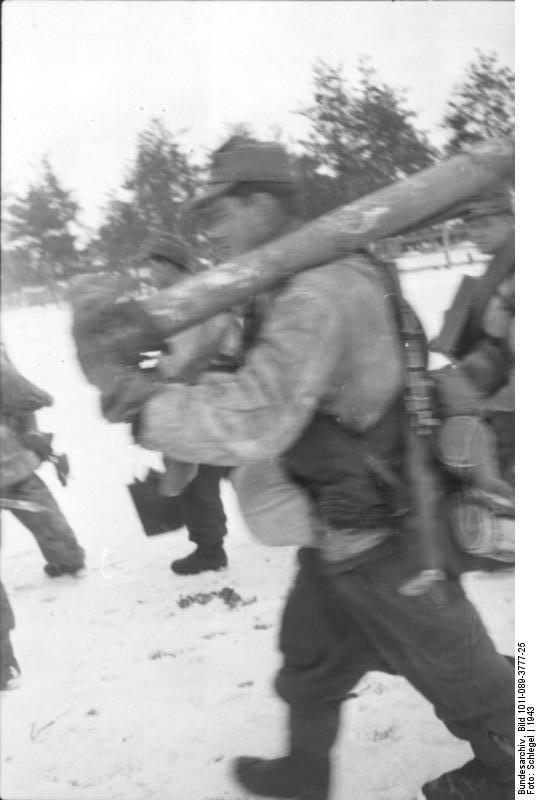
(199, 571)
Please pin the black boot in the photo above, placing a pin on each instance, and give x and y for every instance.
(300, 776)
(473, 781)
(203, 559)
(9, 676)
(57, 570)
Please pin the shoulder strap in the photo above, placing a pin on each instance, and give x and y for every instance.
(426, 536)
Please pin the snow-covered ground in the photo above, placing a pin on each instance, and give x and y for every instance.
(128, 695)
(466, 256)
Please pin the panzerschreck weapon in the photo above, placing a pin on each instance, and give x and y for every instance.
(438, 192)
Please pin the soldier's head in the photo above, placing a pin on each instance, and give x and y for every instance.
(169, 259)
(491, 220)
(250, 198)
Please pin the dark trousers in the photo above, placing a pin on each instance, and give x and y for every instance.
(49, 527)
(338, 627)
(203, 512)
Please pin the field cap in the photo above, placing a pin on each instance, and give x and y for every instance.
(175, 249)
(246, 161)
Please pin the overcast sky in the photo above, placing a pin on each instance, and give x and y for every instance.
(81, 79)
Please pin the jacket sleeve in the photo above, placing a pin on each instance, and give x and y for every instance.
(259, 411)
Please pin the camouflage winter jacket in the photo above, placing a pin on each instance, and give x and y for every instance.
(19, 400)
(326, 344)
(188, 354)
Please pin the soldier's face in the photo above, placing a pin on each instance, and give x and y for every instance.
(236, 225)
(490, 233)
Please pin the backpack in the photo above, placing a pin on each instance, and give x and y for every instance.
(482, 489)
(458, 523)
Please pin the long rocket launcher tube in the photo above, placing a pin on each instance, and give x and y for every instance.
(408, 203)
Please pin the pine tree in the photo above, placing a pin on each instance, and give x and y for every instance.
(40, 231)
(159, 180)
(483, 105)
(362, 137)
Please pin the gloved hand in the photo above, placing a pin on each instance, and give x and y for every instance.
(126, 331)
(109, 330)
(125, 394)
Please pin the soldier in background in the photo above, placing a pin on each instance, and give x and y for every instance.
(169, 260)
(477, 391)
(23, 449)
(113, 340)
(492, 228)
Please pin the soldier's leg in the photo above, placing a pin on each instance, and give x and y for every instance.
(446, 653)
(204, 514)
(205, 520)
(325, 655)
(325, 652)
(49, 527)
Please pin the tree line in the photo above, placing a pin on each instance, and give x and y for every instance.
(362, 136)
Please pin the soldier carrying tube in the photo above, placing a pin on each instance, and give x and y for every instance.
(324, 393)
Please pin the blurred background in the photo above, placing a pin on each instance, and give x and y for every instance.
(110, 112)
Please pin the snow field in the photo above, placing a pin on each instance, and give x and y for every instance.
(125, 695)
